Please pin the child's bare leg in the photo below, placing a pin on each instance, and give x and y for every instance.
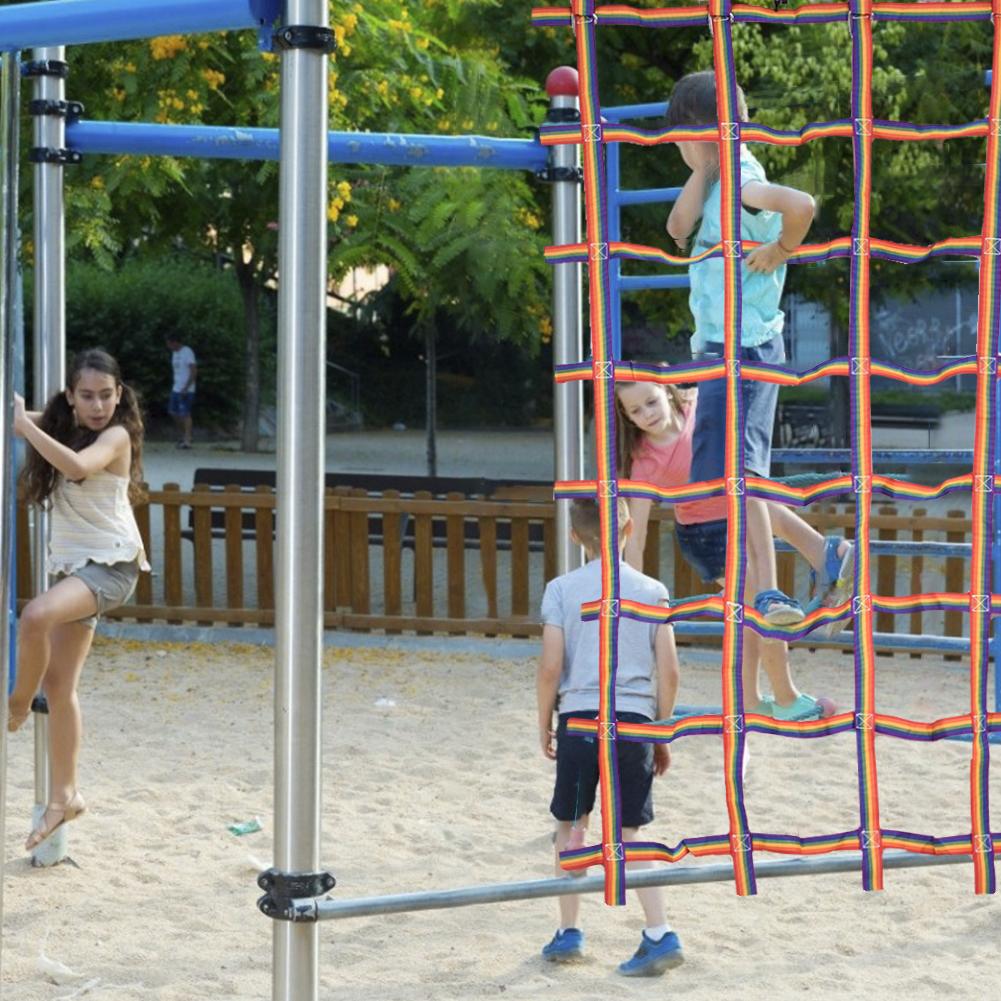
(804, 538)
(760, 547)
(69, 648)
(67, 601)
(569, 902)
(772, 655)
(651, 898)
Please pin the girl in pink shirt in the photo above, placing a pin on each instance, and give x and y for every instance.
(655, 427)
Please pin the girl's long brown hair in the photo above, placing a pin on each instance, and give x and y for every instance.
(627, 435)
(39, 477)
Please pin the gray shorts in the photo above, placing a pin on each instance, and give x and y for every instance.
(112, 585)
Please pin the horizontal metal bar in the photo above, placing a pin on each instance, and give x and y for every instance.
(636, 283)
(885, 547)
(73, 22)
(845, 638)
(225, 143)
(678, 875)
(904, 456)
(625, 112)
(647, 196)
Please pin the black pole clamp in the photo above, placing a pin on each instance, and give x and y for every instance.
(282, 888)
(46, 67)
(60, 109)
(49, 154)
(305, 36)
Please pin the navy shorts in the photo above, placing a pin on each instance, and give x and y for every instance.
(577, 773)
(704, 547)
(760, 401)
(180, 404)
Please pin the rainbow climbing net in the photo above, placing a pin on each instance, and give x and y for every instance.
(869, 838)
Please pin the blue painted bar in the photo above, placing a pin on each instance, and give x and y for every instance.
(624, 112)
(900, 456)
(74, 22)
(613, 179)
(646, 196)
(636, 283)
(223, 143)
(903, 547)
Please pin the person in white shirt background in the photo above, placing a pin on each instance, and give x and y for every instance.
(182, 392)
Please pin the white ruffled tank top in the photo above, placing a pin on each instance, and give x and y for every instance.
(92, 519)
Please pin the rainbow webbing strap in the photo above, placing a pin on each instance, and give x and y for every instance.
(733, 724)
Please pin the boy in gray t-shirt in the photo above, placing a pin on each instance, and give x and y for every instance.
(646, 685)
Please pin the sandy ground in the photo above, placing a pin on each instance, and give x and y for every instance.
(443, 785)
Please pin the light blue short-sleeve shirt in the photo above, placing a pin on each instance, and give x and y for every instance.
(635, 677)
(761, 318)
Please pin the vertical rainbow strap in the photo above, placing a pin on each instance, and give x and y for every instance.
(734, 737)
(596, 215)
(860, 357)
(988, 319)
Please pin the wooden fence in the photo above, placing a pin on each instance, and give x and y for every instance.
(448, 565)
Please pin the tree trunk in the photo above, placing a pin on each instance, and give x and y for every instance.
(431, 399)
(251, 355)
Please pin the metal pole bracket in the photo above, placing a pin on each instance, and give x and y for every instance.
(46, 67)
(47, 154)
(305, 36)
(70, 110)
(282, 889)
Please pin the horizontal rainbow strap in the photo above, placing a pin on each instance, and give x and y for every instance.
(622, 15)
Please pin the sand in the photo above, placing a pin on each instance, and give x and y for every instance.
(446, 787)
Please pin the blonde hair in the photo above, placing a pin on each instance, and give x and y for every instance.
(627, 435)
(585, 520)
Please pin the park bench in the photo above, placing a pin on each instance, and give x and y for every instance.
(248, 480)
(808, 424)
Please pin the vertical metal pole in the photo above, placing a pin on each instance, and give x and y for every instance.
(568, 339)
(613, 174)
(10, 77)
(49, 365)
(302, 266)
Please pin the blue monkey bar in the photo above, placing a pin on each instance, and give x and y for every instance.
(72, 22)
(230, 143)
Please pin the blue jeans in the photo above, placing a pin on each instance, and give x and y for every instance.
(704, 547)
(760, 400)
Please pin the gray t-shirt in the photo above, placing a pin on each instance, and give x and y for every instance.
(635, 682)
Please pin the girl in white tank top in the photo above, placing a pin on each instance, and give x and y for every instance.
(85, 467)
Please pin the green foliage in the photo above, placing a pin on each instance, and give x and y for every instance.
(130, 311)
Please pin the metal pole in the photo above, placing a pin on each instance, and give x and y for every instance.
(433, 900)
(568, 338)
(49, 365)
(10, 77)
(302, 256)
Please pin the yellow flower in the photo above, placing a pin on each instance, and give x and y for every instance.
(351, 220)
(333, 212)
(213, 78)
(422, 43)
(344, 190)
(350, 22)
(393, 205)
(382, 88)
(439, 93)
(167, 46)
(97, 181)
(415, 92)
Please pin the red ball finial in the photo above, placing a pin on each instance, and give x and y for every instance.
(562, 82)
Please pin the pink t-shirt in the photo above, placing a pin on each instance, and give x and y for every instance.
(670, 466)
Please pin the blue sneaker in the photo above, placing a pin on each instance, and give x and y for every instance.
(778, 608)
(653, 958)
(565, 946)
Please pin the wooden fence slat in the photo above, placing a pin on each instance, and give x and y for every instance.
(144, 587)
(488, 563)
(264, 544)
(955, 577)
(423, 562)
(202, 544)
(392, 561)
(172, 547)
(886, 575)
(455, 560)
(359, 558)
(342, 552)
(233, 521)
(520, 582)
(549, 549)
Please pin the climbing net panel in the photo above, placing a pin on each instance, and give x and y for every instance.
(870, 838)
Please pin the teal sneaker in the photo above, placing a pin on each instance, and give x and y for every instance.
(766, 707)
(803, 707)
(566, 946)
(651, 959)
